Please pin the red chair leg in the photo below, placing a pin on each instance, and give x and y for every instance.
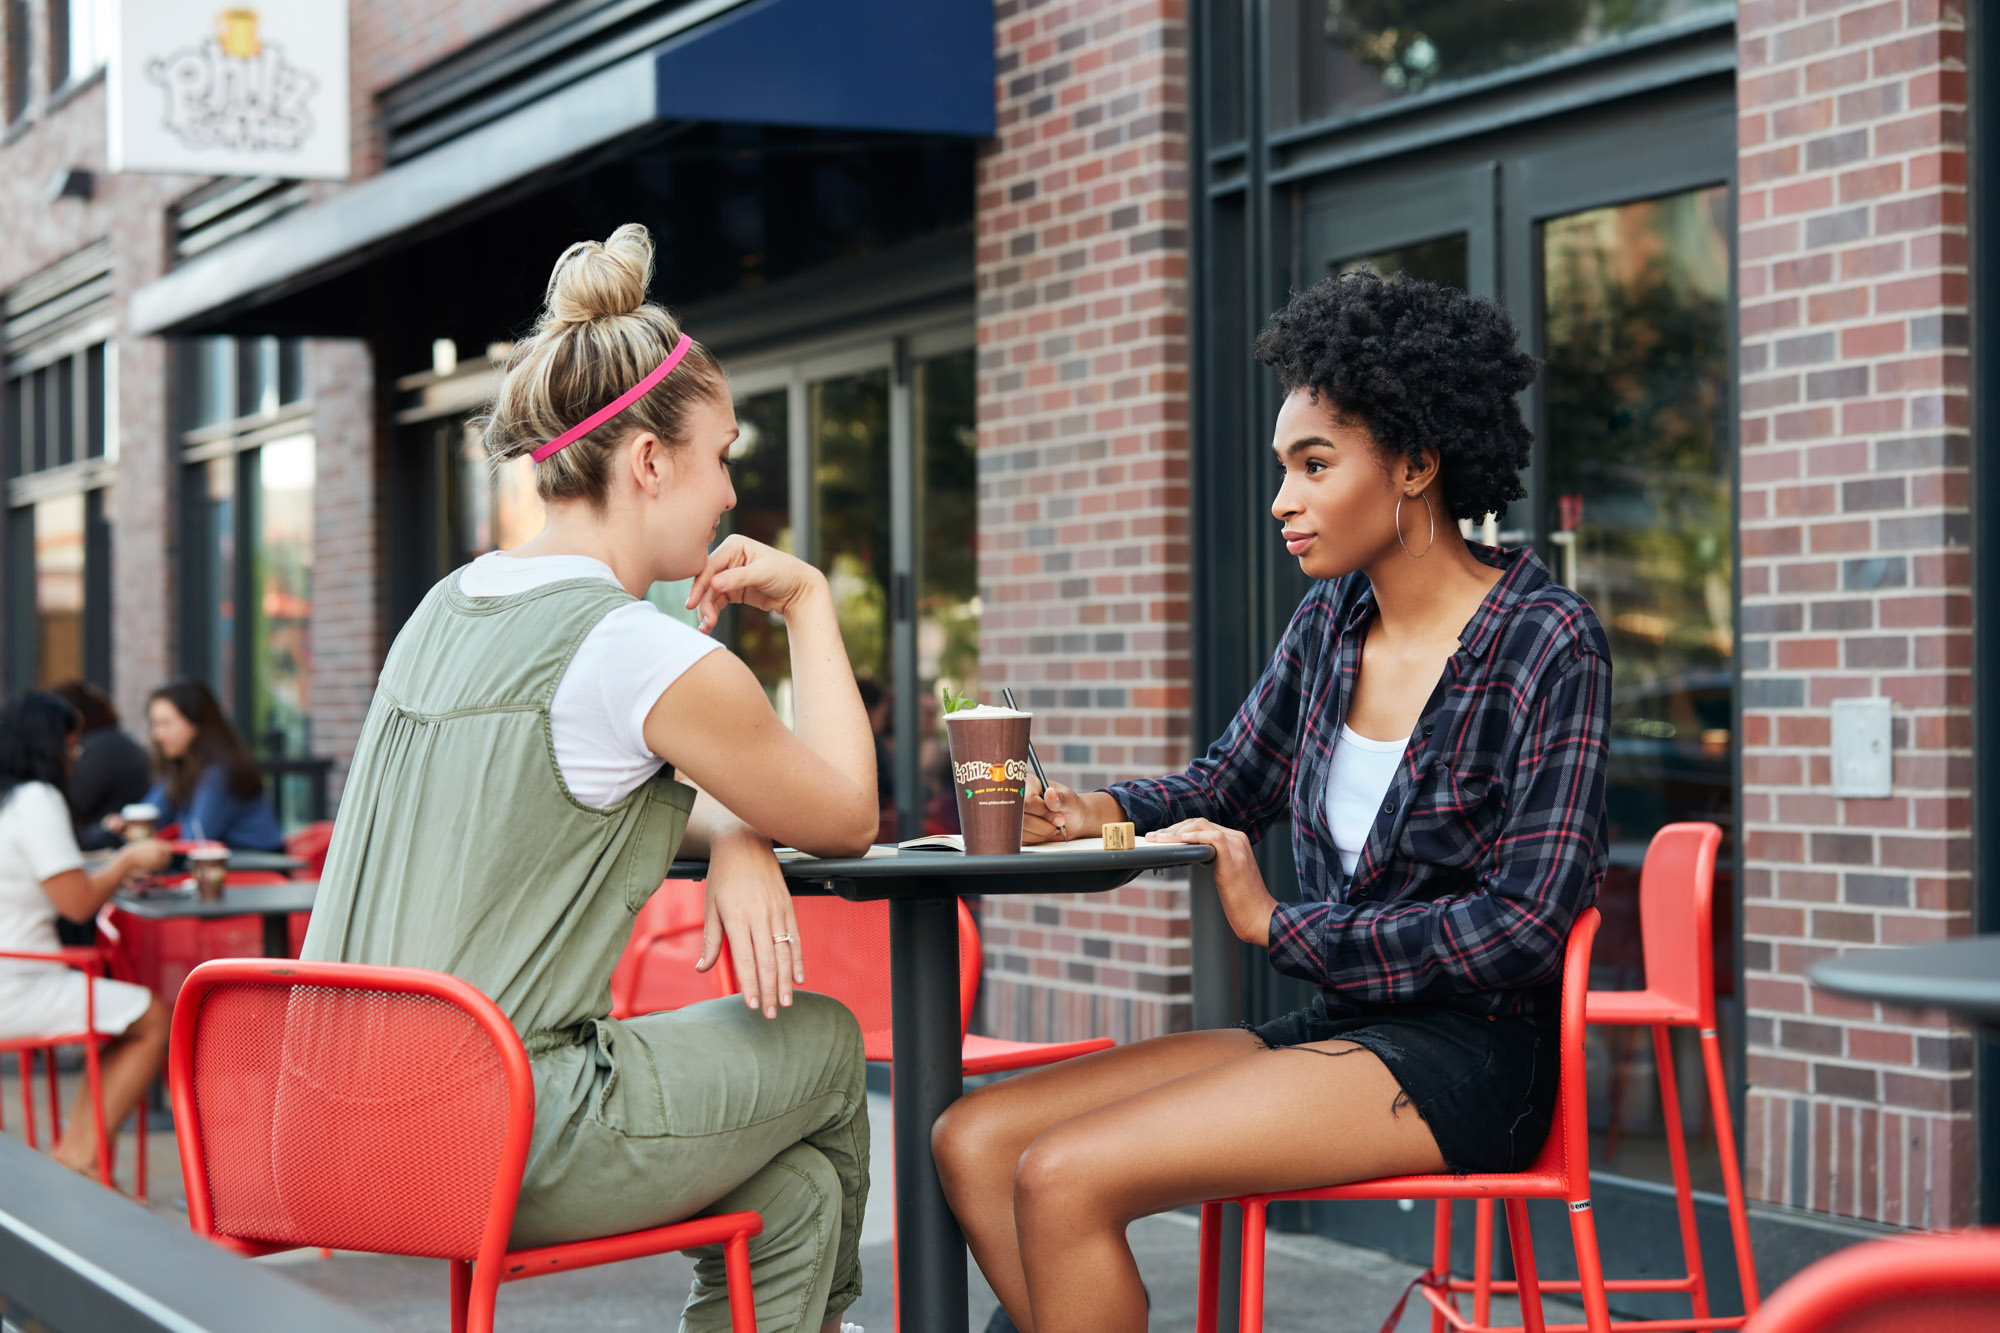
(1525, 1282)
(736, 1268)
(139, 1147)
(1482, 1276)
(1250, 1316)
(1677, 1162)
(1732, 1174)
(1441, 1257)
(94, 1075)
(1589, 1268)
(1208, 1275)
(55, 1096)
(461, 1294)
(26, 1060)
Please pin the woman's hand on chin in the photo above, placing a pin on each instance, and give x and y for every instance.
(1238, 881)
(742, 570)
(749, 907)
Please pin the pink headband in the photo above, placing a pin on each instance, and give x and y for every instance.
(618, 404)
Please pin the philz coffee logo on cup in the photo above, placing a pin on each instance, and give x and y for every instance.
(1011, 771)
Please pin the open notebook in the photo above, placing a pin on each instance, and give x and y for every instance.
(952, 842)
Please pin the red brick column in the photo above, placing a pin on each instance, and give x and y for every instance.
(1082, 217)
(1856, 580)
(347, 543)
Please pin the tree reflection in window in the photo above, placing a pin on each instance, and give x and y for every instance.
(1384, 49)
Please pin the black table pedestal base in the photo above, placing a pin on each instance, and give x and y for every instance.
(926, 1077)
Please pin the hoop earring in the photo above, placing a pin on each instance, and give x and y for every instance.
(1416, 555)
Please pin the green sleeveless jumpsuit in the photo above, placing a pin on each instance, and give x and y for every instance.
(459, 848)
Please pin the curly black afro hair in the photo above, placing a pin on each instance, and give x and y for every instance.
(1416, 363)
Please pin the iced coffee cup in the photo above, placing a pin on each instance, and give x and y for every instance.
(210, 862)
(140, 821)
(989, 767)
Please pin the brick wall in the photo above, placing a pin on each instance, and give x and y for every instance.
(347, 545)
(1082, 266)
(1856, 581)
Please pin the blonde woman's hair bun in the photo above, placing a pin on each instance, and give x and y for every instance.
(600, 279)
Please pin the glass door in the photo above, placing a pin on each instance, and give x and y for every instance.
(862, 457)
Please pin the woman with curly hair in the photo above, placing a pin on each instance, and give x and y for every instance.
(1433, 724)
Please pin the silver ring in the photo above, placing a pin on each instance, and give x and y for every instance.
(782, 939)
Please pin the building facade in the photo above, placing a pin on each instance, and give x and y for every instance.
(986, 294)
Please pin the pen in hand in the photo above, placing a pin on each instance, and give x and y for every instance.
(1041, 776)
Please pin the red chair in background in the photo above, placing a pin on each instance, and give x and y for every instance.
(92, 963)
(847, 957)
(1676, 896)
(309, 844)
(656, 970)
(1562, 1171)
(382, 1109)
(1923, 1284)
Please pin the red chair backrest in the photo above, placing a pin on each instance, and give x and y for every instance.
(1568, 1145)
(1676, 901)
(383, 1109)
(309, 844)
(847, 958)
(655, 970)
(1918, 1284)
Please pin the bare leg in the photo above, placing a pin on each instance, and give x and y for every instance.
(128, 1067)
(979, 1140)
(1311, 1115)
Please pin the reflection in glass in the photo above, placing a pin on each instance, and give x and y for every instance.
(59, 585)
(283, 586)
(758, 469)
(948, 596)
(1442, 261)
(1357, 53)
(1636, 335)
(218, 528)
(850, 435)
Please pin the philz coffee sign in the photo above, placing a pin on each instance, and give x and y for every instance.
(230, 89)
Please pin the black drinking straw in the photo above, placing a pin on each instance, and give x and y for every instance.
(1040, 776)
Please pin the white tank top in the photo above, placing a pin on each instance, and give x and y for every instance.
(1356, 784)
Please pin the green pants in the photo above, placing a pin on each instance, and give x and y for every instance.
(712, 1109)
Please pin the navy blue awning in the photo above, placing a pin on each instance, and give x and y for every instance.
(897, 66)
(917, 66)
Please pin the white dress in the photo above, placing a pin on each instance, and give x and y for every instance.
(46, 999)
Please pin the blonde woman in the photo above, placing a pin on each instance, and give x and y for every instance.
(513, 802)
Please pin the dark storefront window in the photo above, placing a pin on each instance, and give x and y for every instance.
(58, 608)
(1636, 333)
(760, 463)
(850, 434)
(247, 573)
(1355, 54)
(948, 562)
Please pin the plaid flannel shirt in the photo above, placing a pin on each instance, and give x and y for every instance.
(1491, 838)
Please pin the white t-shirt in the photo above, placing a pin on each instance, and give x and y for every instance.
(621, 669)
(1356, 784)
(36, 843)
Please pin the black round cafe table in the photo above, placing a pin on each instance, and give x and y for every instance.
(922, 890)
(1961, 976)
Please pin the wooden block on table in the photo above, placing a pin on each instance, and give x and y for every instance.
(1118, 838)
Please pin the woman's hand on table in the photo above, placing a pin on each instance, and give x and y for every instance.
(749, 908)
(1238, 881)
(740, 569)
(113, 823)
(143, 857)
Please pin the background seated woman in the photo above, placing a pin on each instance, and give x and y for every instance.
(1433, 723)
(42, 877)
(207, 782)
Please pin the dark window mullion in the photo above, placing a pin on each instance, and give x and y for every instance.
(249, 501)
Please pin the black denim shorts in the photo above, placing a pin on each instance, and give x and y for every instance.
(1486, 1086)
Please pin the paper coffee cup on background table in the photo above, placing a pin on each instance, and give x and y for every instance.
(140, 821)
(210, 863)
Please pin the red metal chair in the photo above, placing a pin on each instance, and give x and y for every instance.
(91, 961)
(656, 970)
(1676, 895)
(1922, 1284)
(383, 1109)
(1562, 1171)
(309, 844)
(847, 957)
